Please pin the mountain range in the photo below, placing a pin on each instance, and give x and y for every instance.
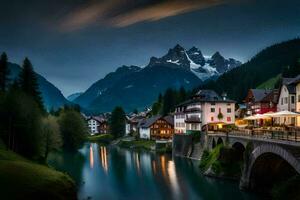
(135, 87)
(52, 96)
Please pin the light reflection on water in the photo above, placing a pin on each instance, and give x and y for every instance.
(113, 173)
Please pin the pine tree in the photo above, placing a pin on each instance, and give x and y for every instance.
(117, 122)
(168, 101)
(4, 72)
(29, 84)
(182, 95)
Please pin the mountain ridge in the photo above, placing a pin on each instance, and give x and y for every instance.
(52, 96)
(178, 67)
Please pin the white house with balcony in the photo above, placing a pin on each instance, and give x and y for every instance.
(93, 124)
(206, 110)
(287, 100)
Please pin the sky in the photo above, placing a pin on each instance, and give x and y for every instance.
(74, 43)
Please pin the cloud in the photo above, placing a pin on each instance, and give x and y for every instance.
(120, 13)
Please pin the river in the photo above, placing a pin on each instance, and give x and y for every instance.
(103, 172)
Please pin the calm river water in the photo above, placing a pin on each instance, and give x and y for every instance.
(112, 173)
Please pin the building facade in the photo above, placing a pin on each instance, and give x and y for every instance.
(156, 128)
(206, 110)
(260, 101)
(97, 125)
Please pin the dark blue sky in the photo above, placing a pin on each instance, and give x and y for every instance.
(73, 43)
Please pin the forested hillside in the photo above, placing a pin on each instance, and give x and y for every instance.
(265, 65)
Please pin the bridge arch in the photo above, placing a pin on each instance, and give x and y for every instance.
(213, 143)
(220, 141)
(239, 149)
(268, 165)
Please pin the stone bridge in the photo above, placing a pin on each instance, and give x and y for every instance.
(266, 161)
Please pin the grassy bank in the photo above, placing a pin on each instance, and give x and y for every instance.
(147, 145)
(221, 162)
(103, 138)
(24, 179)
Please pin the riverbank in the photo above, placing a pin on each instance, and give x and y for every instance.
(101, 138)
(24, 179)
(146, 145)
(221, 162)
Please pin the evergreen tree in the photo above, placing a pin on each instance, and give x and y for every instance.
(21, 120)
(4, 72)
(29, 84)
(291, 71)
(117, 122)
(169, 101)
(160, 98)
(182, 95)
(156, 108)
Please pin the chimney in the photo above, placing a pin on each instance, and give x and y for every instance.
(224, 96)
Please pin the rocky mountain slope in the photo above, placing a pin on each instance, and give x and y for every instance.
(135, 87)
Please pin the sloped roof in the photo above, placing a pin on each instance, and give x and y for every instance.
(260, 94)
(272, 96)
(145, 123)
(290, 83)
(98, 119)
(206, 96)
(169, 119)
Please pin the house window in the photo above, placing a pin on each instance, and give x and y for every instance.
(212, 110)
(229, 119)
(281, 101)
(292, 99)
(228, 110)
(285, 100)
(212, 119)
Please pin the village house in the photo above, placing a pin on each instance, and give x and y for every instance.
(287, 100)
(132, 123)
(260, 101)
(156, 128)
(205, 110)
(98, 125)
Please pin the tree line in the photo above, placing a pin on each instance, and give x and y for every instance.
(167, 101)
(25, 125)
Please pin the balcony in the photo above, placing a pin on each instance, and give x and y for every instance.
(192, 119)
(193, 110)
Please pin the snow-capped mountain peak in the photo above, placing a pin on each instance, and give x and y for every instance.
(204, 67)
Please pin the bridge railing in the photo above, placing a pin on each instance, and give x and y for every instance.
(267, 134)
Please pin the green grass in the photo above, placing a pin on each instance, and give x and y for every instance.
(208, 158)
(24, 179)
(138, 144)
(103, 138)
(269, 84)
(228, 166)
